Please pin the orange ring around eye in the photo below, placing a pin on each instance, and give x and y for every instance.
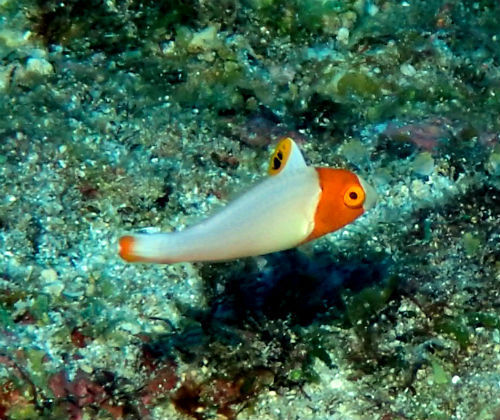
(354, 197)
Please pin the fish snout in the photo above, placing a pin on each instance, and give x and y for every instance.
(370, 194)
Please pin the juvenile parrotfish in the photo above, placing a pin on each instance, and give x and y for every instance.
(295, 204)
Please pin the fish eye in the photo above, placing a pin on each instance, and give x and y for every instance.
(354, 197)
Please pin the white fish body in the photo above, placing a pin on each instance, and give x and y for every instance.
(274, 215)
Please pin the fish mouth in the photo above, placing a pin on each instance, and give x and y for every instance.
(370, 194)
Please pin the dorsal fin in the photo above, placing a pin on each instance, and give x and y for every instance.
(286, 157)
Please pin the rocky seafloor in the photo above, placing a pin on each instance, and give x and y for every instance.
(122, 115)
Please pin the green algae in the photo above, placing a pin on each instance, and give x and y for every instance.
(494, 163)
(361, 306)
(484, 319)
(296, 375)
(316, 348)
(358, 84)
(472, 243)
(106, 288)
(37, 365)
(9, 298)
(40, 308)
(112, 29)
(201, 64)
(439, 374)
(5, 317)
(23, 412)
(456, 328)
(301, 18)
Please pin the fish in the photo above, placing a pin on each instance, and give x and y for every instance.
(295, 204)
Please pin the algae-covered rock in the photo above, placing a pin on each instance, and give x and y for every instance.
(494, 163)
(439, 375)
(356, 152)
(203, 40)
(457, 328)
(361, 306)
(298, 18)
(23, 412)
(484, 319)
(423, 164)
(358, 84)
(472, 243)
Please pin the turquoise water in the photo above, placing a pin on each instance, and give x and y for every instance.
(118, 116)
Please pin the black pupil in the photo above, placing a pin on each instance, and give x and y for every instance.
(353, 195)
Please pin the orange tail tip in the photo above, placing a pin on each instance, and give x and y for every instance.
(126, 248)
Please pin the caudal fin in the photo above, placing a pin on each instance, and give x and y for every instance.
(126, 245)
(146, 248)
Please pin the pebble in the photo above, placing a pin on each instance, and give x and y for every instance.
(54, 288)
(423, 164)
(48, 275)
(51, 284)
(408, 70)
(39, 66)
(343, 35)
(5, 76)
(203, 40)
